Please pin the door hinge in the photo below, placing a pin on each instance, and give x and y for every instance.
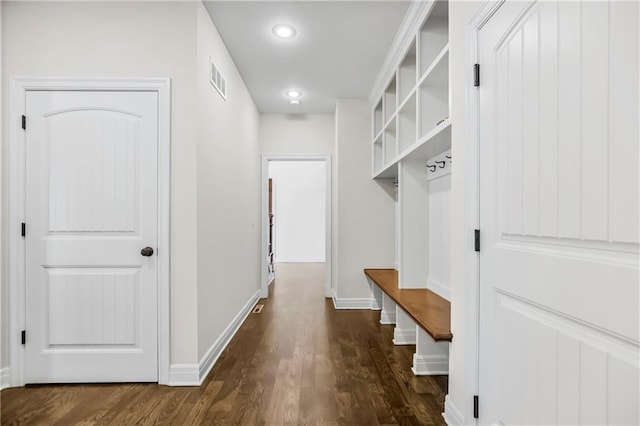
(24, 336)
(476, 404)
(476, 236)
(23, 230)
(476, 75)
(24, 122)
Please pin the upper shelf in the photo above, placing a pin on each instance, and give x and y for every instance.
(433, 143)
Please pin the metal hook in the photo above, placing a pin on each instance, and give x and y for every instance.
(441, 165)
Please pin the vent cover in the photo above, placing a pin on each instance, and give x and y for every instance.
(217, 80)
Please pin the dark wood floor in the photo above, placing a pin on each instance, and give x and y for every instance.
(298, 362)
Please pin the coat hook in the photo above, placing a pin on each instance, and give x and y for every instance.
(442, 163)
(430, 167)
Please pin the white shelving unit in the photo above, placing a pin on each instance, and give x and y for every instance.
(411, 143)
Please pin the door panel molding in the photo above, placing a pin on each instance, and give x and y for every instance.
(16, 202)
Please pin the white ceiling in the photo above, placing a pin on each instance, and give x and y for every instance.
(337, 53)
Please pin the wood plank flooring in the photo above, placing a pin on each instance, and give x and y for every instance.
(298, 362)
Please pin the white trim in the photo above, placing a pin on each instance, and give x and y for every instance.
(195, 374)
(430, 365)
(472, 210)
(5, 378)
(211, 357)
(440, 289)
(452, 415)
(413, 20)
(264, 220)
(351, 303)
(184, 375)
(404, 336)
(19, 87)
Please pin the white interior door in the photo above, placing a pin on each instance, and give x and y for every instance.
(559, 197)
(91, 207)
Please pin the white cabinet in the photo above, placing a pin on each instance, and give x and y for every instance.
(411, 132)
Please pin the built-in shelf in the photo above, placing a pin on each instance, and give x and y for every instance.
(390, 99)
(411, 143)
(434, 94)
(407, 134)
(377, 118)
(434, 34)
(378, 157)
(387, 171)
(407, 73)
(390, 142)
(437, 141)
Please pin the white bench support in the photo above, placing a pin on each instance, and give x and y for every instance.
(388, 314)
(431, 357)
(376, 297)
(405, 331)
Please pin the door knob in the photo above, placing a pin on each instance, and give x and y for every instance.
(147, 251)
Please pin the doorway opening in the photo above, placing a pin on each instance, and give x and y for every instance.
(296, 215)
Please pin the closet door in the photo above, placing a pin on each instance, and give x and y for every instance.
(559, 195)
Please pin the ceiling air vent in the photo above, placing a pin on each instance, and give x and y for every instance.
(217, 80)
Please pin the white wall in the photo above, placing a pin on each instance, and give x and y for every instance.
(282, 134)
(215, 163)
(299, 189)
(363, 234)
(462, 373)
(228, 190)
(123, 39)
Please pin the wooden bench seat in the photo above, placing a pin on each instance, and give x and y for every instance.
(429, 310)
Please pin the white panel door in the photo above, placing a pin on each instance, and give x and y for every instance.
(91, 207)
(559, 197)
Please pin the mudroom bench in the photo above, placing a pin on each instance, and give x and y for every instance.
(421, 317)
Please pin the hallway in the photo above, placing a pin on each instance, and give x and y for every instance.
(299, 361)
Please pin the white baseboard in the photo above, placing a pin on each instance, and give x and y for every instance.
(5, 378)
(194, 374)
(350, 303)
(452, 416)
(430, 365)
(184, 375)
(387, 317)
(439, 288)
(404, 337)
(209, 359)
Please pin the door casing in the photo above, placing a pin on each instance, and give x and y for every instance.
(264, 189)
(16, 202)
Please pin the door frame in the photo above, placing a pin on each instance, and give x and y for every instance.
(472, 209)
(264, 212)
(17, 204)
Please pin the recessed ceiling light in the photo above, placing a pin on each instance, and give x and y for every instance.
(294, 102)
(293, 93)
(284, 31)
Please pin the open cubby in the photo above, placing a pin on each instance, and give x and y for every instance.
(407, 74)
(377, 118)
(390, 142)
(407, 134)
(390, 100)
(378, 160)
(434, 95)
(434, 34)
